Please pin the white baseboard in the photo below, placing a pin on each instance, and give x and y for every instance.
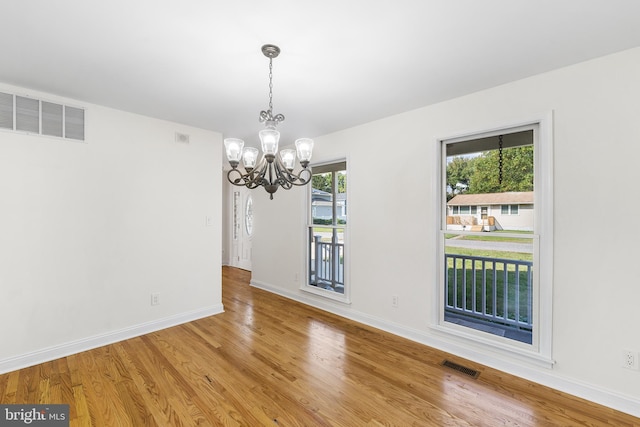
(73, 347)
(546, 377)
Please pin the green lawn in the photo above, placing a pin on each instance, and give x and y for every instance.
(495, 236)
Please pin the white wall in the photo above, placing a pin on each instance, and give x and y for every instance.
(89, 230)
(596, 290)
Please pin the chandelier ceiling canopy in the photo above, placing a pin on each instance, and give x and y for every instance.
(275, 169)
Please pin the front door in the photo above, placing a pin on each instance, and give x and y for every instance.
(484, 216)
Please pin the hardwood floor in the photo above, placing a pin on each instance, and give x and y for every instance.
(269, 361)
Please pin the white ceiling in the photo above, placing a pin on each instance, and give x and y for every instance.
(343, 62)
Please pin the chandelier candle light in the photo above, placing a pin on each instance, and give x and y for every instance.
(274, 169)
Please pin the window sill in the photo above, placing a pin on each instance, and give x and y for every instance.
(513, 350)
(334, 296)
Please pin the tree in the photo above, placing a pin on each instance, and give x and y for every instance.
(459, 172)
(342, 182)
(322, 182)
(517, 171)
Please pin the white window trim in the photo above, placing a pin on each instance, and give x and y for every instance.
(539, 352)
(334, 296)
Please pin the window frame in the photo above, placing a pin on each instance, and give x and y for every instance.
(305, 286)
(538, 353)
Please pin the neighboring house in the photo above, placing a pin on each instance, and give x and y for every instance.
(491, 211)
(322, 206)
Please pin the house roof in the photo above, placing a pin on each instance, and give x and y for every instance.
(511, 197)
(319, 195)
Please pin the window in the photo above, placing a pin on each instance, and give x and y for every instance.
(326, 230)
(248, 216)
(236, 215)
(464, 210)
(509, 209)
(491, 295)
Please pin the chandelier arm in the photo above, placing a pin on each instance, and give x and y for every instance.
(285, 184)
(241, 179)
(283, 181)
(283, 172)
(291, 177)
(301, 178)
(303, 181)
(257, 177)
(251, 179)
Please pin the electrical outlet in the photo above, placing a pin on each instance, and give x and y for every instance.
(394, 301)
(155, 299)
(629, 359)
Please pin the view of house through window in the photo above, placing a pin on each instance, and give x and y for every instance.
(488, 232)
(326, 230)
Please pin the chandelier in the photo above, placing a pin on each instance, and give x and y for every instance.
(275, 169)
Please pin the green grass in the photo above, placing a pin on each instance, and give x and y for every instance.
(495, 236)
(322, 230)
(328, 229)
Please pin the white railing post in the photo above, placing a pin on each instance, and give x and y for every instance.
(318, 249)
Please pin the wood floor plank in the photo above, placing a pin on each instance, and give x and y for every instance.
(269, 361)
(104, 404)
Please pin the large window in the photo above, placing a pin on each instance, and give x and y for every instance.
(326, 229)
(495, 279)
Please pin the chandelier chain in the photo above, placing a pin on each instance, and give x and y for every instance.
(270, 84)
(500, 161)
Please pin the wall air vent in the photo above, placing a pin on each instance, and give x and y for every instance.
(26, 114)
(6, 111)
(52, 123)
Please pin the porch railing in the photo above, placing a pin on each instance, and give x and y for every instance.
(327, 264)
(492, 289)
